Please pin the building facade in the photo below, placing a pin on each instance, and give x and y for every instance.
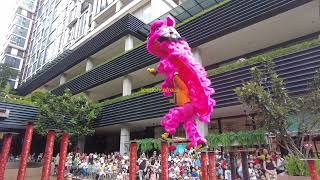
(16, 44)
(99, 48)
(62, 25)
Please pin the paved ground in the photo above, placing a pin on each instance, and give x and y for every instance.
(31, 174)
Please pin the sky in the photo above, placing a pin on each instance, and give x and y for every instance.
(6, 9)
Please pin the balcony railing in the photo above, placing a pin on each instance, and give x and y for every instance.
(107, 8)
(83, 24)
(73, 16)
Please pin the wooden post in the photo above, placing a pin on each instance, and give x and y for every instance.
(48, 155)
(5, 154)
(204, 168)
(245, 168)
(233, 166)
(212, 165)
(63, 155)
(133, 161)
(164, 161)
(25, 151)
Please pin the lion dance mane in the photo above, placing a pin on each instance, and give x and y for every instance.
(176, 58)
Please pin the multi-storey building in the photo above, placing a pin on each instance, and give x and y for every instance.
(63, 25)
(16, 42)
(98, 47)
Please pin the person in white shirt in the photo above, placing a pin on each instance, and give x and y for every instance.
(280, 165)
(172, 174)
(56, 163)
(252, 172)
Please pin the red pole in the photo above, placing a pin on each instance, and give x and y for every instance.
(312, 169)
(25, 152)
(164, 161)
(5, 154)
(204, 168)
(133, 161)
(48, 155)
(63, 155)
(212, 166)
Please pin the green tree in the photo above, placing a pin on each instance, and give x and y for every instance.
(73, 114)
(267, 97)
(5, 73)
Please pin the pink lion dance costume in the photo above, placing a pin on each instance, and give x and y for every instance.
(189, 79)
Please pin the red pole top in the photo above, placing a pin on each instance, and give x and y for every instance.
(164, 161)
(204, 168)
(133, 161)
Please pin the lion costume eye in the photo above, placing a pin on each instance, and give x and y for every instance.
(156, 28)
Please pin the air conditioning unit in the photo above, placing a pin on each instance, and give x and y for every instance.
(4, 113)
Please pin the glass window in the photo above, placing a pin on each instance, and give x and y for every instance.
(19, 41)
(32, 59)
(49, 51)
(33, 68)
(29, 72)
(40, 11)
(12, 62)
(52, 37)
(29, 4)
(25, 73)
(22, 21)
(18, 30)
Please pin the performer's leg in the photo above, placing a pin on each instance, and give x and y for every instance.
(172, 120)
(194, 136)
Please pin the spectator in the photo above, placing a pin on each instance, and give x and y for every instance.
(280, 165)
(56, 163)
(142, 161)
(252, 172)
(270, 168)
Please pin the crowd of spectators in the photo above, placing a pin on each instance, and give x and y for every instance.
(184, 166)
(96, 166)
(31, 158)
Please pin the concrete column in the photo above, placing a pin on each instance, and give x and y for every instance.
(63, 79)
(81, 143)
(128, 43)
(127, 80)
(197, 55)
(126, 85)
(202, 127)
(124, 140)
(89, 65)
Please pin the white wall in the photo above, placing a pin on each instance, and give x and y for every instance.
(152, 10)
